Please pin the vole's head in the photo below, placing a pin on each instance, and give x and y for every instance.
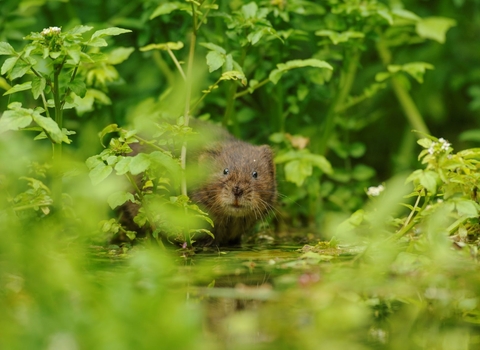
(241, 180)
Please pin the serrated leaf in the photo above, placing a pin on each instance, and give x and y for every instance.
(276, 74)
(110, 32)
(118, 198)
(139, 163)
(215, 60)
(19, 70)
(213, 47)
(6, 48)
(297, 171)
(38, 85)
(434, 28)
(8, 64)
(19, 87)
(78, 87)
(49, 126)
(100, 173)
(123, 165)
(14, 120)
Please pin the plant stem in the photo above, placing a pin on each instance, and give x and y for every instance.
(409, 107)
(57, 148)
(345, 85)
(251, 89)
(230, 108)
(188, 96)
(177, 64)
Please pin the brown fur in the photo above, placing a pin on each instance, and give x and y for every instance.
(235, 201)
(240, 188)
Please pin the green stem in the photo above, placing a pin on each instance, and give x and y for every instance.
(230, 109)
(409, 107)
(57, 148)
(210, 89)
(346, 81)
(251, 89)
(177, 64)
(197, 28)
(188, 96)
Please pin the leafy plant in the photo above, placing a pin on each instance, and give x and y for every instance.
(57, 66)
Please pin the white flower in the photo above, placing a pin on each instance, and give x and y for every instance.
(51, 31)
(431, 150)
(445, 144)
(375, 191)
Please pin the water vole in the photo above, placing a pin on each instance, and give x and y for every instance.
(233, 181)
(239, 189)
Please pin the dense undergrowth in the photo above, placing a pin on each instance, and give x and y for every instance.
(335, 87)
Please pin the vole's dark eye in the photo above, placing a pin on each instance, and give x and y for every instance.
(254, 174)
(225, 171)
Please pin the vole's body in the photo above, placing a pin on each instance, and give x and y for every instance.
(235, 184)
(239, 188)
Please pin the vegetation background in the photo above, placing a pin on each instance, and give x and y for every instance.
(336, 87)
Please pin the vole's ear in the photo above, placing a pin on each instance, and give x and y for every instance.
(267, 150)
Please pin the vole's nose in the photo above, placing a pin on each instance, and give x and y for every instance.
(237, 191)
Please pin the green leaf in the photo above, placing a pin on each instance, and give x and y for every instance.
(404, 14)
(249, 10)
(297, 171)
(276, 74)
(14, 120)
(215, 60)
(97, 42)
(110, 32)
(340, 37)
(166, 161)
(213, 47)
(234, 75)
(38, 85)
(119, 54)
(118, 198)
(107, 130)
(123, 166)
(100, 173)
(434, 28)
(8, 64)
(319, 161)
(139, 163)
(165, 8)
(6, 49)
(417, 70)
(80, 29)
(467, 208)
(50, 126)
(75, 54)
(428, 179)
(165, 46)
(19, 87)
(78, 86)
(20, 69)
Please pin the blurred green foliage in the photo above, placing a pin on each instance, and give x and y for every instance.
(335, 86)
